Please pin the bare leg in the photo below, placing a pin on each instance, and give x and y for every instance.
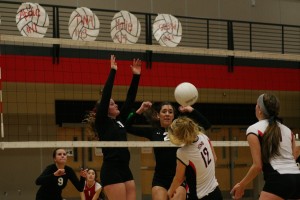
(180, 194)
(159, 193)
(130, 190)
(115, 191)
(269, 196)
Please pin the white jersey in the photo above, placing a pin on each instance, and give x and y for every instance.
(200, 167)
(284, 163)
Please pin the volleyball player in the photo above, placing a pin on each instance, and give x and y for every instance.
(92, 189)
(55, 177)
(272, 147)
(116, 176)
(195, 161)
(165, 157)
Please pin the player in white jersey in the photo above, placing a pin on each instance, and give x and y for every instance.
(195, 161)
(273, 151)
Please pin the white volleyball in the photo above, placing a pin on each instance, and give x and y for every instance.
(84, 25)
(125, 28)
(167, 30)
(186, 94)
(32, 20)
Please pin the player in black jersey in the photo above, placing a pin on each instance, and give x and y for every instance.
(161, 118)
(109, 123)
(55, 177)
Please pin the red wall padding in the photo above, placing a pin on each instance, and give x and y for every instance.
(38, 69)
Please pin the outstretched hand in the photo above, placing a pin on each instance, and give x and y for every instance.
(113, 63)
(136, 66)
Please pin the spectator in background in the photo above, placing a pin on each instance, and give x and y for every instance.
(92, 189)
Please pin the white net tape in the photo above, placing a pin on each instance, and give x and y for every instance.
(68, 144)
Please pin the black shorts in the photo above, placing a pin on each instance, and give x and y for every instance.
(285, 186)
(164, 181)
(114, 172)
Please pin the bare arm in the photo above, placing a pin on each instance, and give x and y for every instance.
(82, 197)
(97, 194)
(255, 169)
(295, 148)
(178, 178)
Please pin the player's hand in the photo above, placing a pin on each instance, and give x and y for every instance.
(171, 194)
(145, 106)
(113, 63)
(136, 66)
(185, 109)
(60, 172)
(237, 191)
(83, 172)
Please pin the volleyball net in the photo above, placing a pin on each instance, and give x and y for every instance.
(49, 84)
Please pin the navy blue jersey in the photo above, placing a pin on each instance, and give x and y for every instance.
(51, 186)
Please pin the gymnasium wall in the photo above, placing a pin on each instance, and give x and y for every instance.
(267, 11)
(31, 84)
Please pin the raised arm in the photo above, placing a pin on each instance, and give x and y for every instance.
(131, 120)
(102, 108)
(195, 115)
(132, 91)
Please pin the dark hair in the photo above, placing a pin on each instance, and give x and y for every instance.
(55, 151)
(151, 114)
(89, 119)
(96, 175)
(272, 135)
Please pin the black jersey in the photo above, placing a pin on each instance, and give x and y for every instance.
(109, 129)
(51, 186)
(165, 157)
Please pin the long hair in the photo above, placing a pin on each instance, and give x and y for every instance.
(152, 113)
(272, 135)
(89, 119)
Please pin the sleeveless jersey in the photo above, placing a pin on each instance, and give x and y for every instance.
(284, 163)
(200, 167)
(89, 192)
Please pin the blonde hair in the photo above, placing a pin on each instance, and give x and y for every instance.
(183, 131)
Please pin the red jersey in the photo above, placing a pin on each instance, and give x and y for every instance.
(89, 192)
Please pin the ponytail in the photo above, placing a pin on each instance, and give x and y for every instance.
(272, 135)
